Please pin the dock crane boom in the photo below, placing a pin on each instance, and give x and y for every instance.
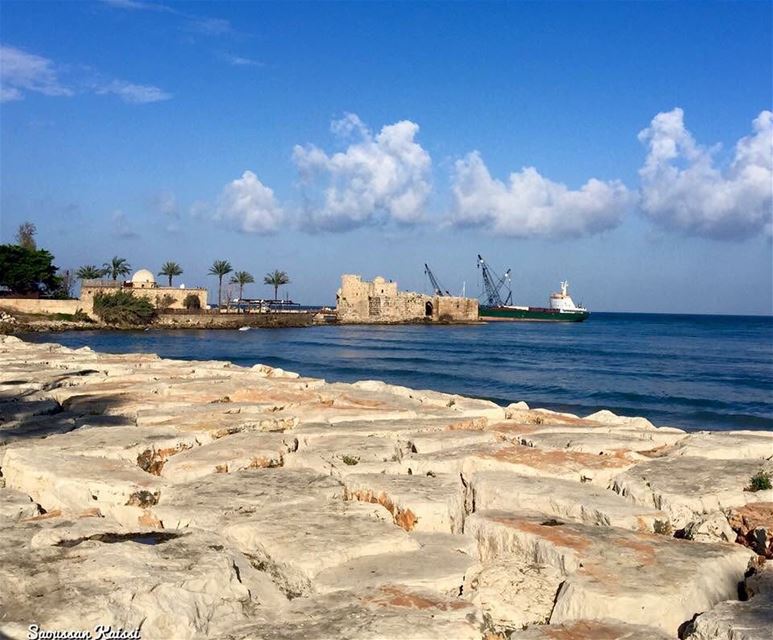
(439, 291)
(493, 285)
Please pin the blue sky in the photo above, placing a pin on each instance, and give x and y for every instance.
(625, 146)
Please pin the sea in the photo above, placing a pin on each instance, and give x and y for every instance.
(688, 371)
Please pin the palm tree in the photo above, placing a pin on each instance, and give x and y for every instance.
(117, 267)
(90, 272)
(276, 280)
(170, 269)
(241, 278)
(220, 268)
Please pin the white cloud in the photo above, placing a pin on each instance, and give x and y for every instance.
(241, 61)
(381, 177)
(121, 227)
(249, 205)
(137, 5)
(683, 189)
(134, 93)
(209, 26)
(21, 72)
(531, 205)
(166, 204)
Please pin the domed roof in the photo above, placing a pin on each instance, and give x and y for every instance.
(143, 276)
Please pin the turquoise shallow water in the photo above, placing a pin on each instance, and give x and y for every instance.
(694, 372)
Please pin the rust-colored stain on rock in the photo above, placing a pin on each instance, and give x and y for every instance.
(561, 535)
(556, 460)
(395, 596)
(152, 461)
(403, 518)
(585, 630)
(472, 424)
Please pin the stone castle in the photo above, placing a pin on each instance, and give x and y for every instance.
(379, 300)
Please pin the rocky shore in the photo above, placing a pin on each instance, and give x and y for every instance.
(205, 500)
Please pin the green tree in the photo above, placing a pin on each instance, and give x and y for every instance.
(276, 280)
(90, 272)
(220, 268)
(123, 307)
(117, 267)
(25, 236)
(25, 270)
(241, 278)
(170, 269)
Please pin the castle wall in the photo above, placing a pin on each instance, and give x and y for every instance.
(154, 294)
(41, 305)
(379, 301)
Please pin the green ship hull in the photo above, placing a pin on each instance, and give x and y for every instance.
(531, 314)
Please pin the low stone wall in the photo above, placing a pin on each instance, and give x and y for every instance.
(173, 297)
(208, 320)
(40, 305)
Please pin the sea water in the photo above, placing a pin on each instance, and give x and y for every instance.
(694, 372)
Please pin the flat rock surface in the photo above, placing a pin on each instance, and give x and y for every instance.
(581, 502)
(686, 487)
(206, 500)
(611, 572)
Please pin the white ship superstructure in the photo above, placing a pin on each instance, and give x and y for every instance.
(562, 301)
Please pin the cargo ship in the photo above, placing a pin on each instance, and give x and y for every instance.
(561, 306)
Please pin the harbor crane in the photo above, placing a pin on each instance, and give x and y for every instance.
(494, 286)
(438, 290)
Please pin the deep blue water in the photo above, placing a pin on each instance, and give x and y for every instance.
(710, 372)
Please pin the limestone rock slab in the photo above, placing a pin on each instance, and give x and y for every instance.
(726, 445)
(231, 453)
(76, 484)
(15, 505)
(421, 503)
(581, 502)
(390, 611)
(296, 545)
(215, 501)
(687, 487)
(94, 571)
(612, 573)
(570, 465)
(592, 630)
(436, 566)
(749, 620)
(512, 593)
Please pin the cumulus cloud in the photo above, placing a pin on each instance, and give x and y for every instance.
(21, 72)
(121, 226)
(249, 205)
(377, 178)
(134, 93)
(683, 189)
(531, 205)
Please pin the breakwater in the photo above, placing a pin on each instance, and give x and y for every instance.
(204, 499)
